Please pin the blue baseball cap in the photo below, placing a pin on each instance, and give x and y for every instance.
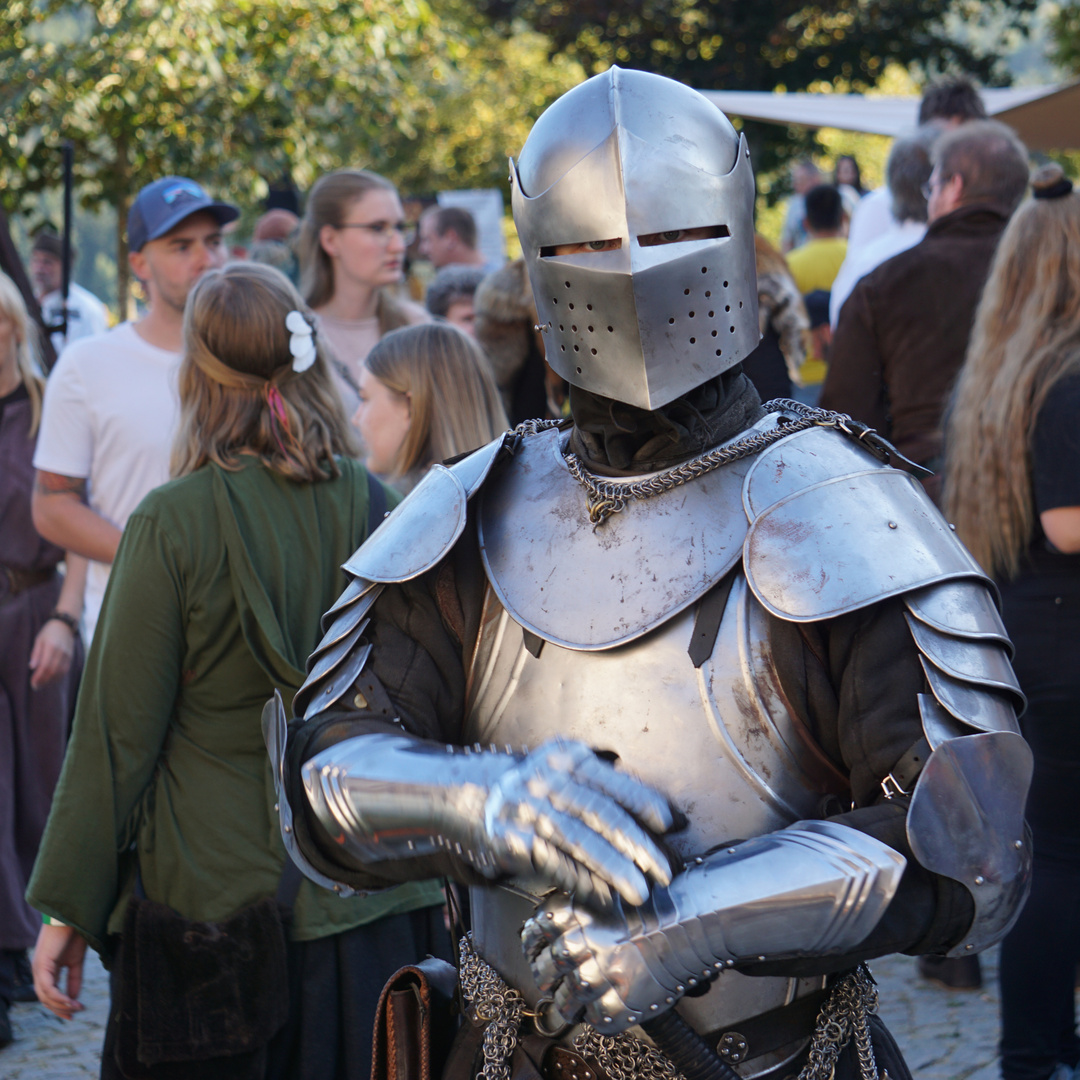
(165, 203)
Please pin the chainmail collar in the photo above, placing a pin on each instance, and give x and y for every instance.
(608, 495)
(612, 438)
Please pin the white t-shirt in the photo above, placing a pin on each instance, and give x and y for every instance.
(110, 413)
(870, 218)
(857, 264)
(86, 315)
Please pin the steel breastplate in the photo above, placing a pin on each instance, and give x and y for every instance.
(739, 766)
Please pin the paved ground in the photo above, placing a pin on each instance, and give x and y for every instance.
(945, 1036)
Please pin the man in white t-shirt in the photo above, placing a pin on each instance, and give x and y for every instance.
(111, 405)
(86, 314)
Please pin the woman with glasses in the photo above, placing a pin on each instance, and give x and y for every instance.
(352, 258)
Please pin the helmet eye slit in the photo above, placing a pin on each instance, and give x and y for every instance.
(585, 247)
(681, 236)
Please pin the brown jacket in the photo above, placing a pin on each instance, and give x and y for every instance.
(904, 331)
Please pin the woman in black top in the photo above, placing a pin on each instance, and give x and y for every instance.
(1013, 492)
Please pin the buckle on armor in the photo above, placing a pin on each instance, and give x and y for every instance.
(891, 787)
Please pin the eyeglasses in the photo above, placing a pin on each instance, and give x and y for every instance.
(927, 189)
(383, 230)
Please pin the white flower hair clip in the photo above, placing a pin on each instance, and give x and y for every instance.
(302, 342)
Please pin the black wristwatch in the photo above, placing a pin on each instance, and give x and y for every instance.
(68, 620)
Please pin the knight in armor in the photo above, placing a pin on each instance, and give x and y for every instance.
(701, 699)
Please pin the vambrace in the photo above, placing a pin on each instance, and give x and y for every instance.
(558, 813)
(966, 818)
(813, 889)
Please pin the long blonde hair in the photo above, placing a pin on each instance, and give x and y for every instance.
(238, 390)
(328, 203)
(454, 402)
(26, 339)
(1025, 339)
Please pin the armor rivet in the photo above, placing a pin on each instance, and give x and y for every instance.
(761, 957)
(329, 690)
(692, 981)
(360, 701)
(718, 965)
(670, 1000)
(681, 989)
(892, 524)
(653, 1008)
(337, 888)
(969, 947)
(632, 1019)
(706, 972)
(952, 526)
(731, 851)
(288, 828)
(276, 808)
(698, 861)
(607, 1019)
(1018, 845)
(980, 880)
(551, 914)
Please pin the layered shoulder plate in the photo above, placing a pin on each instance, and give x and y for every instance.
(424, 526)
(590, 589)
(833, 530)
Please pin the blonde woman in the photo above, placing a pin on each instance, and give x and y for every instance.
(1012, 488)
(40, 651)
(426, 395)
(214, 603)
(352, 259)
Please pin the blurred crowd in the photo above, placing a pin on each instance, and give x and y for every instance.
(296, 384)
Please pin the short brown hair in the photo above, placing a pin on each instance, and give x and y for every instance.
(236, 355)
(990, 159)
(954, 97)
(457, 218)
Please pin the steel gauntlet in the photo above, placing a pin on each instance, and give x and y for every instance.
(558, 813)
(812, 889)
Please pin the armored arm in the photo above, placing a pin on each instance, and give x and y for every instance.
(558, 813)
(813, 889)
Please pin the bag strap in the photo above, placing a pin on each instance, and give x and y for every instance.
(376, 504)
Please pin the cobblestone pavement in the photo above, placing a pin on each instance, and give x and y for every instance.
(944, 1035)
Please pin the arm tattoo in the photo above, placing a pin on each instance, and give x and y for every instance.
(47, 483)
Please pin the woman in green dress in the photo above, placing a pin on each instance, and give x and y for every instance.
(213, 604)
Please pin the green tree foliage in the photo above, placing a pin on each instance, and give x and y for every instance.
(735, 45)
(764, 44)
(1065, 27)
(228, 91)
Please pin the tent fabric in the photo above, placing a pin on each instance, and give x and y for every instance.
(1045, 117)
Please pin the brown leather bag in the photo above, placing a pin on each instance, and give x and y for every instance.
(415, 1022)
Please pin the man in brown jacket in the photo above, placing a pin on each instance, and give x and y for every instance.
(904, 330)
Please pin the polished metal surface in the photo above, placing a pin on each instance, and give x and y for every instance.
(274, 729)
(422, 528)
(984, 663)
(624, 155)
(812, 889)
(966, 822)
(961, 608)
(339, 658)
(595, 589)
(978, 707)
(473, 470)
(800, 461)
(718, 740)
(558, 814)
(843, 544)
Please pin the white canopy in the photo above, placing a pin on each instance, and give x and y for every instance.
(1045, 117)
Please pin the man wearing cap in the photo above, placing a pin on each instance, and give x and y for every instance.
(111, 403)
(85, 312)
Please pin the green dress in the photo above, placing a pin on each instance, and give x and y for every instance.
(213, 603)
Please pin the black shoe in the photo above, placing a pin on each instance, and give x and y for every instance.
(952, 973)
(6, 1034)
(22, 983)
